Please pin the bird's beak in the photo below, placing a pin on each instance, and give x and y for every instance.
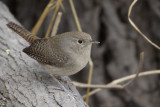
(92, 41)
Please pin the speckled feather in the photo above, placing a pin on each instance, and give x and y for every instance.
(41, 51)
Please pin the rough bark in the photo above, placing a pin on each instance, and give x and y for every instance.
(23, 82)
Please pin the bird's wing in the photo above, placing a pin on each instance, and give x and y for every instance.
(40, 50)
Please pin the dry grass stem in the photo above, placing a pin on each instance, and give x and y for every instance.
(41, 19)
(62, 7)
(75, 16)
(137, 29)
(55, 27)
(52, 7)
(89, 79)
(53, 4)
(58, 4)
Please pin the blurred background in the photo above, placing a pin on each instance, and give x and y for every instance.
(118, 53)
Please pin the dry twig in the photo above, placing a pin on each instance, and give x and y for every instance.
(146, 73)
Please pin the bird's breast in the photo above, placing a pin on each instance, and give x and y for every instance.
(75, 63)
(72, 67)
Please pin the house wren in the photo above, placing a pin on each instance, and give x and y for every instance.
(63, 54)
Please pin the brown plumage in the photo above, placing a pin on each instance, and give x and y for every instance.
(63, 54)
(42, 51)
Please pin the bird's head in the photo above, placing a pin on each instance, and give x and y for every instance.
(76, 42)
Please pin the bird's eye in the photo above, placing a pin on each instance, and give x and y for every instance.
(80, 41)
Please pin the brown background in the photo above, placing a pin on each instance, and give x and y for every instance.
(118, 53)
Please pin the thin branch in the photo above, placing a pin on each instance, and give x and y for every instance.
(121, 80)
(136, 28)
(108, 86)
(55, 27)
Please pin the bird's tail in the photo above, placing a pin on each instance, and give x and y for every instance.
(27, 35)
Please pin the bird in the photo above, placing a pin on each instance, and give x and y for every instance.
(63, 54)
